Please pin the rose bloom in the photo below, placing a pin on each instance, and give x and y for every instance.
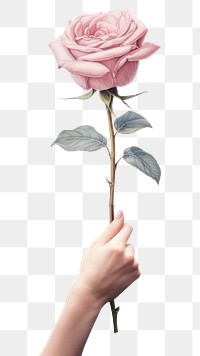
(102, 50)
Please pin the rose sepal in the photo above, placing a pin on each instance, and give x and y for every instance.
(114, 92)
(107, 98)
(82, 97)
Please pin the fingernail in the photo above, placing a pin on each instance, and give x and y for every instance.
(119, 214)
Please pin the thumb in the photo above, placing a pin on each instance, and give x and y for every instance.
(112, 229)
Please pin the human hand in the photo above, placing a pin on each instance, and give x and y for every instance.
(109, 265)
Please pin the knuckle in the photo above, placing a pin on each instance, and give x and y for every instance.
(129, 259)
(130, 247)
(133, 248)
(117, 249)
(129, 227)
(136, 265)
(137, 276)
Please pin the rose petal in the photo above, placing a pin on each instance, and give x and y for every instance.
(79, 29)
(108, 54)
(139, 32)
(112, 20)
(141, 39)
(110, 63)
(89, 69)
(126, 73)
(81, 81)
(86, 18)
(143, 52)
(121, 39)
(121, 62)
(95, 19)
(61, 53)
(73, 24)
(125, 21)
(86, 49)
(103, 83)
(122, 24)
(111, 43)
(87, 42)
(68, 34)
(111, 35)
(76, 54)
(108, 26)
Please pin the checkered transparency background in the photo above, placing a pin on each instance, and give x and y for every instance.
(53, 203)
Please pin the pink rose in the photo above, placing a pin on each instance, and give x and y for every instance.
(102, 50)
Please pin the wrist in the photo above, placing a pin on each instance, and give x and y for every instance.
(82, 294)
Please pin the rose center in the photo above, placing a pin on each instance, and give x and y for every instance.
(101, 29)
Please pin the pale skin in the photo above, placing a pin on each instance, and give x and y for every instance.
(108, 267)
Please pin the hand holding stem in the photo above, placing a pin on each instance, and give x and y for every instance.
(107, 269)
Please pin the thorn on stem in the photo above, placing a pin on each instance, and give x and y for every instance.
(117, 309)
(107, 180)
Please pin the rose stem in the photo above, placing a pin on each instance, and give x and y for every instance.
(111, 206)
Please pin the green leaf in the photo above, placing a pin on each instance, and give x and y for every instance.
(82, 138)
(130, 122)
(144, 161)
(82, 97)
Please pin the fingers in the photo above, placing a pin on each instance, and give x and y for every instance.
(130, 250)
(121, 238)
(130, 256)
(112, 229)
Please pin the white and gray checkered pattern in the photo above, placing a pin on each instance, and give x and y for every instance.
(53, 203)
